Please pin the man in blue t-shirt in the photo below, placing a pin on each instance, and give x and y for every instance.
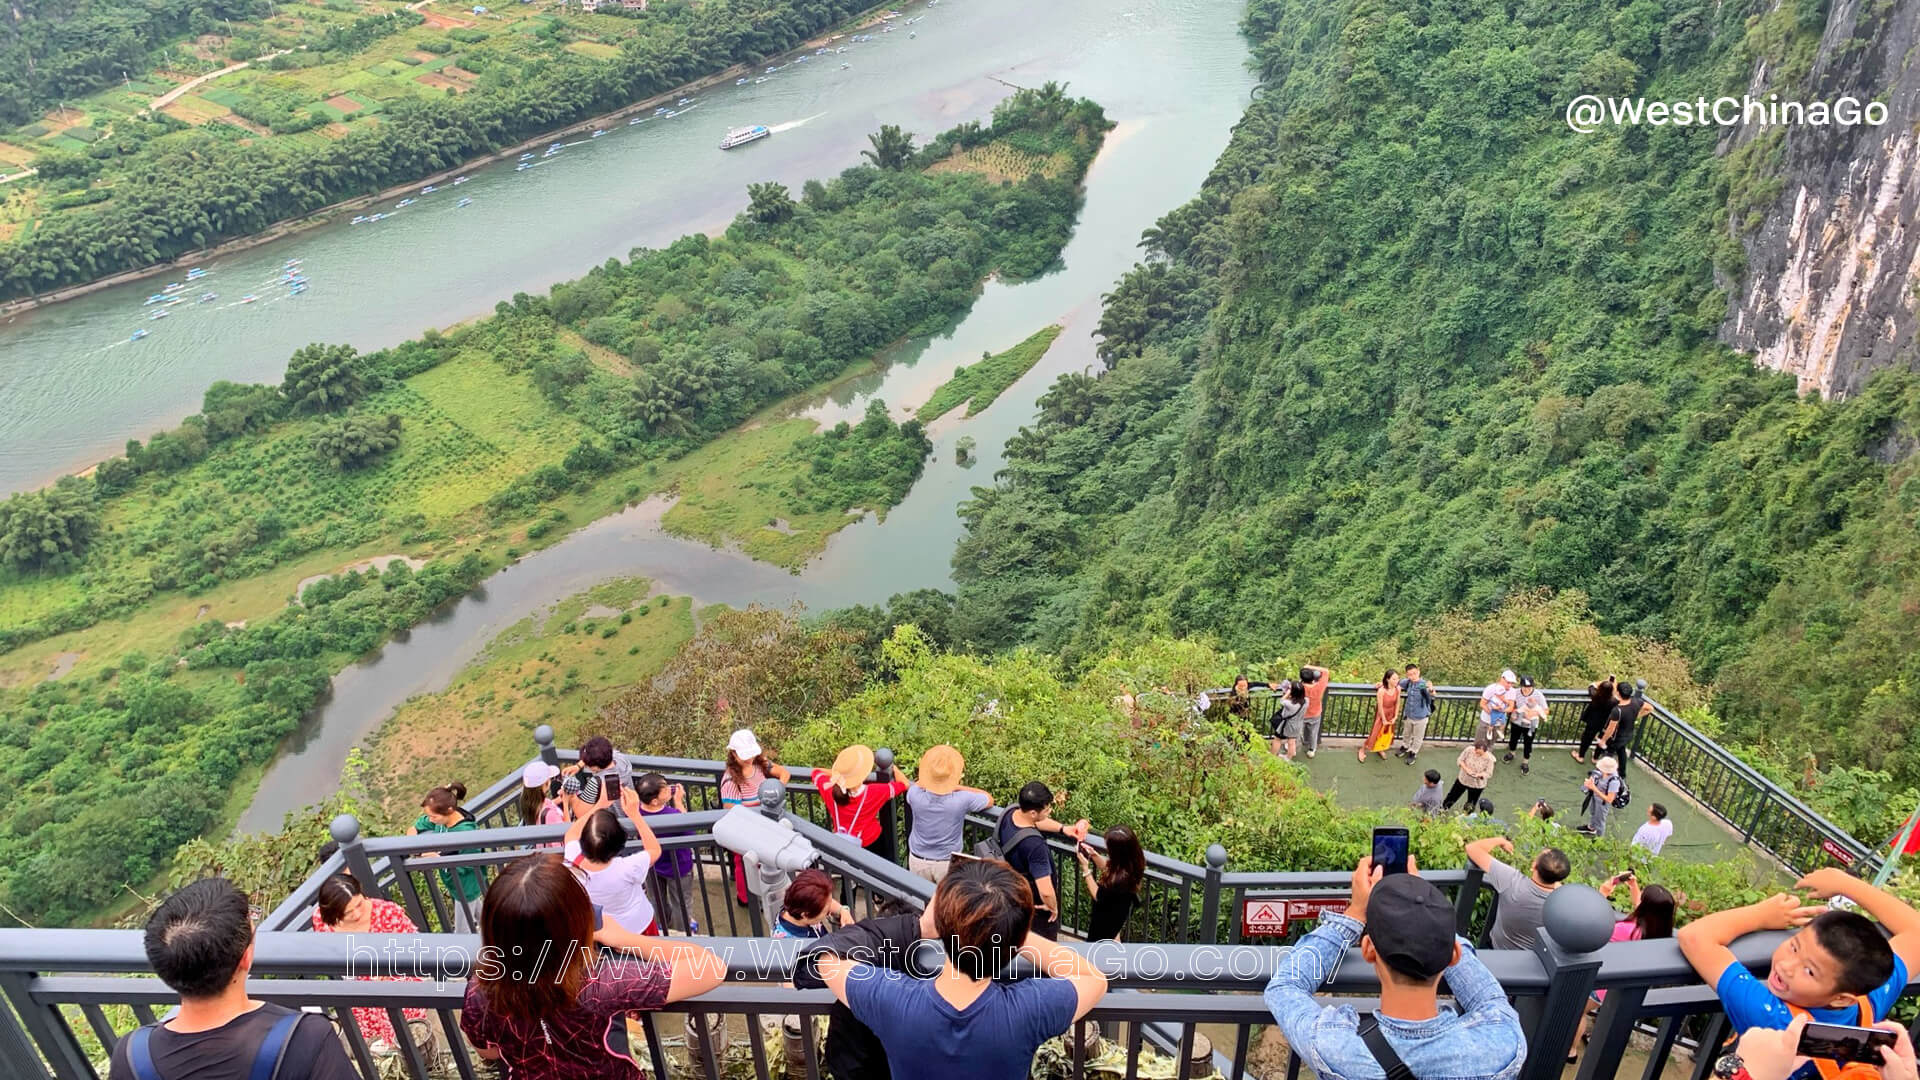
(1841, 969)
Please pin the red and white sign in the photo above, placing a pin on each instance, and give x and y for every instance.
(1840, 854)
(1268, 916)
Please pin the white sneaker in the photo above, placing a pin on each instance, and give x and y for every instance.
(1309, 753)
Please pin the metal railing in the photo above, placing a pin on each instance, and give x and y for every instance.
(1758, 810)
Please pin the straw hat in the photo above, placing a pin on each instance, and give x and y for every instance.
(940, 769)
(850, 769)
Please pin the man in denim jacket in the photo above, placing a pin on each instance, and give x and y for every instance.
(1404, 926)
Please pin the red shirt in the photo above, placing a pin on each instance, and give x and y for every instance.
(860, 817)
(388, 918)
(588, 1041)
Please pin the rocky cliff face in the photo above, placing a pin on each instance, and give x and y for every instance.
(1833, 276)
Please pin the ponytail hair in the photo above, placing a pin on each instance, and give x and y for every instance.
(445, 800)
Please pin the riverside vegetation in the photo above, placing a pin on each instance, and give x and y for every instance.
(368, 98)
(556, 407)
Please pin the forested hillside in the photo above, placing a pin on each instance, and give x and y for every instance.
(1417, 347)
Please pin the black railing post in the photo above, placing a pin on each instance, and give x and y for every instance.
(1578, 922)
(885, 846)
(346, 833)
(1466, 899)
(47, 1027)
(1216, 860)
(543, 737)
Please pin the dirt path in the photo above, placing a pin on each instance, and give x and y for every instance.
(190, 85)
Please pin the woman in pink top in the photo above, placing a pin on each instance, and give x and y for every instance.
(344, 908)
(1652, 917)
(748, 766)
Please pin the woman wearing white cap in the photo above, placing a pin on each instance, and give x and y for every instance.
(537, 805)
(748, 766)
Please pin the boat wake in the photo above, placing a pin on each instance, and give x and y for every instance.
(791, 124)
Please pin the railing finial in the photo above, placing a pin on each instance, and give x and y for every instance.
(345, 829)
(883, 764)
(543, 737)
(1217, 856)
(1579, 919)
(773, 797)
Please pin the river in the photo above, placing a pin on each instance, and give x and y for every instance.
(1171, 73)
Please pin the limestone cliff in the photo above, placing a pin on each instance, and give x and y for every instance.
(1833, 274)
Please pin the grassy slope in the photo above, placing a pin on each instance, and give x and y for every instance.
(549, 668)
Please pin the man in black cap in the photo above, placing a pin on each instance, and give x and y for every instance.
(1405, 929)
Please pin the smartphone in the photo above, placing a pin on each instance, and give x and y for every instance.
(610, 784)
(1390, 849)
(1844, 1043)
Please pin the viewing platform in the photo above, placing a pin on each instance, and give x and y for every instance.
(1186, 984)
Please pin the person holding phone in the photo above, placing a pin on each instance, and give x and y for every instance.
(1777, 1054)
(1405, 928)
(1523, 897)
(1114, 880)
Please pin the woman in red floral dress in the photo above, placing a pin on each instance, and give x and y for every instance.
(345, 909)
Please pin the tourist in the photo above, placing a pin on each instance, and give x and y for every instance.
(1523, 898)
(809, 909)
(1289, 715)
(1496, 702)
(1603, 785)
(596, 844)
(940, 805)
(1529, 708)
(671, 871)
(1314, 680)
(1240, 700)
(967, 1021)
(599, 768)
(544, 1003)
(441, 812)
(538, 802)
(1476, 771)
(1766, 1054)
(1386, 706)
(200, 942)
(1114, 880)
(1018, 837)
(1594, 717)
(1483, 811)
(1404, 927)
(1651, 917)
(1656, 832)
(1541, 810)
(748, 766)
(1840, 968)
(886, 940)
(1417, 693)
(1427, 798)
(1618, 737)
(345, 908)
(853, 804)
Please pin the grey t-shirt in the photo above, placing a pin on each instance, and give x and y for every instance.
(1523, 905)
(1428, 798)
(938, 820)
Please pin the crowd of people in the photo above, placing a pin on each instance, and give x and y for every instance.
(573, 931)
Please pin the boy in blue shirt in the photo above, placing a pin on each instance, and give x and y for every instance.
(1839, 969)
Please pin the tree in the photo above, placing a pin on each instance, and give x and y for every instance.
(769, 203)
(892, 147)
(323, 378)
(355, 440)
(45, 530)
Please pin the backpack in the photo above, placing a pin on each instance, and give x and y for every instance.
(266, 1060)
(1624, 797)
(990, 847)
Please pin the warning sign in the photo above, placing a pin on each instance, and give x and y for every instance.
(1840, 854)
(1269, 916)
